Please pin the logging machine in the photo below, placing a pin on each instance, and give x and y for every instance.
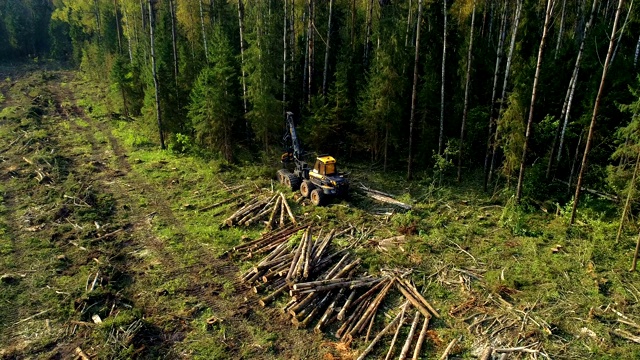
(317, 183)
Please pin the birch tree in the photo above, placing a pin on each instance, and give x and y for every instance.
(536, 77)
(587, 147)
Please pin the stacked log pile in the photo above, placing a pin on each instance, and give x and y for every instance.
(322, 287)
(276, 208)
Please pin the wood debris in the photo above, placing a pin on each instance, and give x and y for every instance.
(276, 208)
(322, 286)
(383, 197)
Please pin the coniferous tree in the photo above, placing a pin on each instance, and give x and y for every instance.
(213, 109)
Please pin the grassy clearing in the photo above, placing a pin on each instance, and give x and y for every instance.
(161, 279)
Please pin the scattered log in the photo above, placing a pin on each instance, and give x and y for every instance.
(423, 334)
(379, 336)
(412, 331)
(81, 354)
(267, 299)
(371, 310)
(346, 305)
(395, 336)
(106, 236)
(289, 212)
(272, 217)
(223, 202)
(445, 354)
(419, 297)
(281, 223)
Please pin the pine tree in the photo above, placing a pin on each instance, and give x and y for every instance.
(213, 110)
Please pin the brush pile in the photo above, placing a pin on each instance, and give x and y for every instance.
(324, 288)
(276, 208)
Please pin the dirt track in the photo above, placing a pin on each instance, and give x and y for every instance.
(92, 225)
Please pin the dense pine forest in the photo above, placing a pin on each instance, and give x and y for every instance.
(518, 92)
(490, 149)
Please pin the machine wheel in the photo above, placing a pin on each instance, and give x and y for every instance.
(317, 197)
(282, 174)
(292, 182)
(306, 187)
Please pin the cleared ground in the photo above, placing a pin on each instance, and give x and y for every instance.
(95, 221)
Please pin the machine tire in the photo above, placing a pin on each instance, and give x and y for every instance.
(306, 188)
(317, 197)
(282, 174)
(292, 182)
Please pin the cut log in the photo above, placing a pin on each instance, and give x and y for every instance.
(423, 334)
(412, 331)
(267, 299)
(395, 336)
(272, 217)
(379, 336)
(419, 297)
(412, 299)
(289, 212)
(346, 305)
(371, 310)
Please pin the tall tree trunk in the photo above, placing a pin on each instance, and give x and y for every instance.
(624, 25)
(115, 11)
(561, 29)
(466, 91)
(142, 15)
(444, 58)
(505, 82)
(368, 32)
(629, 196)
(635, 56)
(325, 73)
(353, 25)
(311, 48)
(414, 92)
(152, 24)
(566, 108)
(174, 46)
(98, 21)
(576, 156)
(305, 67)
(406, 36)
(536, 77)
(129, 33)
(492, 119)
(284, 60)
(244, 80)
(204, 33)
(595, 113)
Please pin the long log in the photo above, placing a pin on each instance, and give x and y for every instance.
(262, 212)
(379, 336)
(348, 324)
(225, 201)
(305, 243)
(445, 354)
(267, 299)
(395, 336)
(289, 212)
(327, 313)
(412, 331)
(423, 334)
(412, 299)
(346, 305)
(307, 257)
(281, 222)
(351, 284)
(419, 297)
(294, 262)
(273, 214)
(371, 310)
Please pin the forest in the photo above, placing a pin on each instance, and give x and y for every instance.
(139, 144)
(515, 92)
